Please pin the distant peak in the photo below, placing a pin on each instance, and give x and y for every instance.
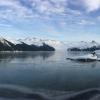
(2, 39)
(94, 41)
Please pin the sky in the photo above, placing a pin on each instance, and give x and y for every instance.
(65, 20)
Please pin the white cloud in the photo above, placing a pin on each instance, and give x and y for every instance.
(39, 8)
(46, 9)
(91, 5)
(49, 6)
(86, 22)
(13, 8)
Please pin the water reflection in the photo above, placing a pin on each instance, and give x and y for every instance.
(48, 70)
(7, 57)
(77, 53)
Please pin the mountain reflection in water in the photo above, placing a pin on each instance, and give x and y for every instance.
(7, 57)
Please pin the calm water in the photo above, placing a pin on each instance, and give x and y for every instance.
(35, 71)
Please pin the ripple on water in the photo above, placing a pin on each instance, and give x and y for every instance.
(12, 92)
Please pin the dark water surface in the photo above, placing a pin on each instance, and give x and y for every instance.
(23, 73)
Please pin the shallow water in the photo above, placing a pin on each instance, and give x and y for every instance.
(29, 75)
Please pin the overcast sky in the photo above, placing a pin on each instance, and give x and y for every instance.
(66, 20)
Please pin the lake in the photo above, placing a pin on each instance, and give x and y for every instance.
(50, 73)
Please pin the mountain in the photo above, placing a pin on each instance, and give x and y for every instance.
(6, 45)
(58, 45)
(84, 46)
(37, 44)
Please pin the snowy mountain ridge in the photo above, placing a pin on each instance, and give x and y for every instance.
(18, 45)
(58, 45)
(4, 41)
(39, 42)
(84, 46)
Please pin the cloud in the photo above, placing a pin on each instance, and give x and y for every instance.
(13, 9)
(86, 22)
(91, 5)
(50, 10)
(53, 7)
(49, 7)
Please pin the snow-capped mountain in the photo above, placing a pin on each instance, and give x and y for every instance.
(59, 45)
(84, 46)
(39, 42)
(5, 42)
(18, 45)
(33, 44)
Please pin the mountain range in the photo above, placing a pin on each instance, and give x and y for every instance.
(84, 46)
(37, 44)
(6, 45)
